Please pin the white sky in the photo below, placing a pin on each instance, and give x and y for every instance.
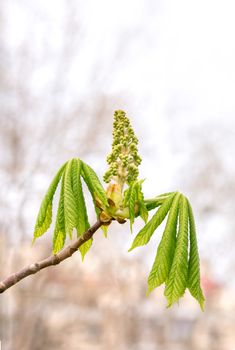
(181, 53)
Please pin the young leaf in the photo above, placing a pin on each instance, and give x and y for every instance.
(44, 217)
(177, 280)
(104, 228)
(140, 199)
(157, 201)
(93, 184)
(59, 232)
(146, 233)
(194, 267)
(132, 197)
(144, 214)
(85, 247)
(82, 224)
(165, 253)
(127, 194)
(70, 205)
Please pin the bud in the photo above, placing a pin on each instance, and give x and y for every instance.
(124, 159)
(114, 192)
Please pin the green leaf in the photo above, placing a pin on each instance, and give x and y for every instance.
(165, 253)
(127, 194)
(44, 217)
(104, 228)
(194, 266)
(72, 208)
(82, 224)
(59, 231)
(70, 205)
(140, 199)
(177, 280)
(144, 214)
(146, 233)
(157, 201)
(133, 197)
(85, 247)
(93, 184)
(131, 204)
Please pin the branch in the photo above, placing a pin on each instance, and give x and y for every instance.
(54, 259)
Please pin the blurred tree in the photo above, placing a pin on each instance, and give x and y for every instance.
(42, 121)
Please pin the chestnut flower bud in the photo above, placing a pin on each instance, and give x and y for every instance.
(124, 159)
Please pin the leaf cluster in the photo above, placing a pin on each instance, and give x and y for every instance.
(134, 201)
(177, 261)
(71, 212)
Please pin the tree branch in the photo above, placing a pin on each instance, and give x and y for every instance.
(54, 259)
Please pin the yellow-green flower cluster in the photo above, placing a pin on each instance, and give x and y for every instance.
(124, 159)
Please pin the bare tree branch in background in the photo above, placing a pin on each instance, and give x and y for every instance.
(37, 128)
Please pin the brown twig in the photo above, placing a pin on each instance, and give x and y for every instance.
(54, 259)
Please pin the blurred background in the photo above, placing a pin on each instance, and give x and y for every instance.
(65, 66)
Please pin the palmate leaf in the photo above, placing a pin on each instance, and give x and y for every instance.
(74, 203)
(71, 212)
(173, 265)
(163, 261)
(44, 217)
(147, 231)
(177, 281)
(194, 267)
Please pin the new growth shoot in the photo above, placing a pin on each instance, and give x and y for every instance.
(123, 169)
(177, 260)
